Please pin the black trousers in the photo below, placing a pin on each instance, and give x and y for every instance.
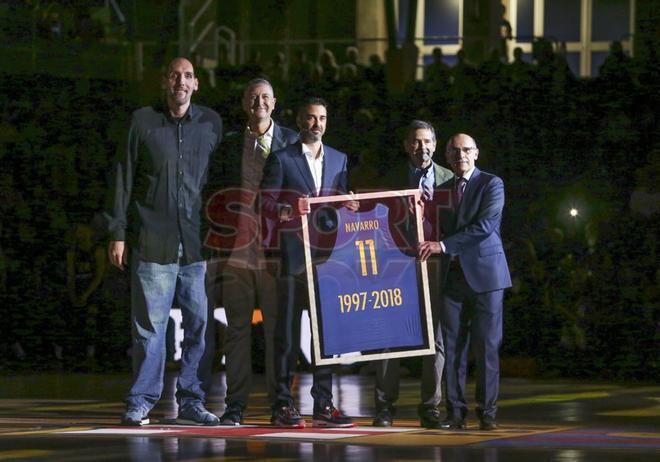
(386, 390)
(293, 297)
(242, 291)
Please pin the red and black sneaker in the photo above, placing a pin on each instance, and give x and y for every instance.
(331, 417)
(287, 416)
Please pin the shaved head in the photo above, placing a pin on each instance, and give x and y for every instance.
(179, 83)
(178, 61)
(461, 153)
(463, 137)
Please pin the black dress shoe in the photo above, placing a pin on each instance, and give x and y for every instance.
(453, 423)
(488, 423)
(233, 415)
(384, 418)
(429, 417)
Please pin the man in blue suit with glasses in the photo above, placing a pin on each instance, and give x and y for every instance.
(473, 278)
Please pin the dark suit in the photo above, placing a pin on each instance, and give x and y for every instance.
(240, 289)
(287, 177)
(474, 274)
(225, 174)
(386, 391)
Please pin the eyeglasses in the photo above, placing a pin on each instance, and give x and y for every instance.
(466, 150)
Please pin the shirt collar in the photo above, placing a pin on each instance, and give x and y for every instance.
(190, 113)
(267, 134)
(468, 174)
(414, 170)
(165, 109)
(308, 153)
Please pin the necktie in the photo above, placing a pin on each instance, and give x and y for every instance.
(459, 190)
(426, 183)
(262, 146)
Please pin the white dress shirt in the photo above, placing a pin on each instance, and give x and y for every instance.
(315, 166)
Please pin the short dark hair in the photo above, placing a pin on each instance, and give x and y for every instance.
(312, 101)
(420, 125)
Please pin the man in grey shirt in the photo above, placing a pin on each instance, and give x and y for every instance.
(159, 178)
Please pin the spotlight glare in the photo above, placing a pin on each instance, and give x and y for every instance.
(574, 212)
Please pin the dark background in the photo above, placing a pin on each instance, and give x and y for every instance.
(585, 296)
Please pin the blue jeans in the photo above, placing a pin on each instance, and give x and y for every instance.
(154, 289)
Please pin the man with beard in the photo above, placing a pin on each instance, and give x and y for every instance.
(420, 172)
(158, 179)
(306, 168)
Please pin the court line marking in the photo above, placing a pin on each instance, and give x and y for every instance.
(23, 454)
(121, 431)
(315, 436)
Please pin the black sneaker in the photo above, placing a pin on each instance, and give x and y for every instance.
(331, 417)
(384, 418)
(233, 416)
(196, 414)
(287, 416)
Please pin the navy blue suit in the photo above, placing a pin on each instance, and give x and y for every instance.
(474, 275)
(287, 178)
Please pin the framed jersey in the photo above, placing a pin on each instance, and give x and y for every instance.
(368, 293)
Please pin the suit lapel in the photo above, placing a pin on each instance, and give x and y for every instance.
(467, 200)
(441, 175)
(328, 169)
(301, 162)
(278, 142)
(470, 187)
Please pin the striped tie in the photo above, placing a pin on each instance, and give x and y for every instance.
(262, 146)
(425, 183)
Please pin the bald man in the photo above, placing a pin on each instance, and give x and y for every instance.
(474, 274)
(158, 179)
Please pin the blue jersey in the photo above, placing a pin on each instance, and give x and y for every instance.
(367, 289)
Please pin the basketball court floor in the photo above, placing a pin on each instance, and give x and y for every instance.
(75, 417)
